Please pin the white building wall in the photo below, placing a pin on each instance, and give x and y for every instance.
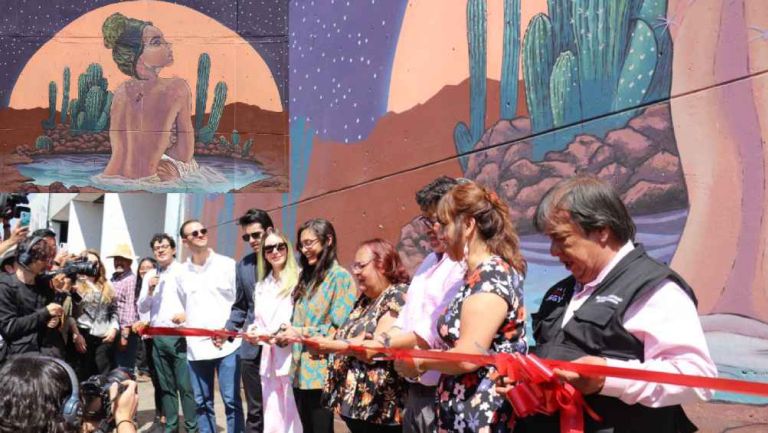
(85, 224)
(132, 219)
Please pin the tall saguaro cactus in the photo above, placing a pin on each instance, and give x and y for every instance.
(65, 96)
(600, 28)
(201, 98)
(206, 133)
(465, 137)
(560, 13)
(509, 61)
(538, 60)
(50, 122)
(564, 90)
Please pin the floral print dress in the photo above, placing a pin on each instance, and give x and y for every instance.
(469, 402)
(367, 392)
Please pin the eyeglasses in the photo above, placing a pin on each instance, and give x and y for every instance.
(281, 247)
(202, 232)
(428, 222)
(306, 244)
(254, 235)
(359, 266)
(161, 247)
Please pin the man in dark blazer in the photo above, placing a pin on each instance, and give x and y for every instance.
(253, 225)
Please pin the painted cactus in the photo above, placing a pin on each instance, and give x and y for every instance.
(560, 13)
(538, 60)
(638, 69)
(613, 52)
(201, 99)
(600, 28)
(44, 142)
(65, 96)
(564, 90)
(50, 122)
(247, 147)
(466, 137)
(206, 133)
(235, 137)
(654, 13)
(90, 111)
(509, 61)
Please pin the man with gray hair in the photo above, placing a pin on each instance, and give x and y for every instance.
(619, 308)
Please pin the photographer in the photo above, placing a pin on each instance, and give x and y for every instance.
(37, 396)
(29, 314)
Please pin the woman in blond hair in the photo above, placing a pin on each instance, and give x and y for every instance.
(278, 274)
(96, 321)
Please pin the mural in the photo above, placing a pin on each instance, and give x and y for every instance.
(667, 99)
(145, 95)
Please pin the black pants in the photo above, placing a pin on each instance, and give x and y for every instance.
(315, 418)
(358, 426)
(254, 418)
(97, 359)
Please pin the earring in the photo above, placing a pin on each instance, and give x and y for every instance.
(466, 249)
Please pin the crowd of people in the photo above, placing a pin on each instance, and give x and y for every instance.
(619, 307)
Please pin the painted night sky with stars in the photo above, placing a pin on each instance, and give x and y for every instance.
(263, 23)
(341, 54)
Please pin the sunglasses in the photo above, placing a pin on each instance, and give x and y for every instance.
(281, 247)
(196, 233)
(255, 236)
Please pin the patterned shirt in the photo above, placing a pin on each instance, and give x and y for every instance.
(321, 314)
(355, 389)
(468, 402)
(125, 296)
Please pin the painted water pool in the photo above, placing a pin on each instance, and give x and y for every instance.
(217, 174)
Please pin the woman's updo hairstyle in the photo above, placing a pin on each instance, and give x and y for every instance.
(125, 37)
(491, 215)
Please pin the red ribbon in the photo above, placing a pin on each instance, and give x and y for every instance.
(538, 389)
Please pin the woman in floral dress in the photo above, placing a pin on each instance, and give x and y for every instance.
(368, 397)
(487, 314)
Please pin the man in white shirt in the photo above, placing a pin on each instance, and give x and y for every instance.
(207, 291)
(159, 300)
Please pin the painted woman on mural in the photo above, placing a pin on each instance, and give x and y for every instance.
(151, 130)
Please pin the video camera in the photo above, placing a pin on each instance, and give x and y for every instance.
(73, 268)
(97, 404)
(8, 203)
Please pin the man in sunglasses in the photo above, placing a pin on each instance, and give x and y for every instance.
(207, 292)
(253, 224)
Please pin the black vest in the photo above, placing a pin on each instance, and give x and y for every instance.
(596, 328)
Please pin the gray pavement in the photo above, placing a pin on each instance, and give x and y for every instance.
(146, 412)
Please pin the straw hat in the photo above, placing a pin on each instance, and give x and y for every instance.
(122, 250)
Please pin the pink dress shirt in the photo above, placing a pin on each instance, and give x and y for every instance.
(433, 287)
(667, 323)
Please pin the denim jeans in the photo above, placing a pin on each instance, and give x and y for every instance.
(202, 377)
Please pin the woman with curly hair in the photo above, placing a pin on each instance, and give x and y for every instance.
(487, 313)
